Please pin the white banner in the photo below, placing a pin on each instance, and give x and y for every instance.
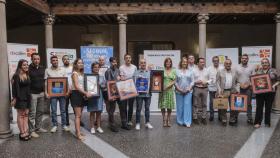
(155, 58)
(60, 53)
(256, 53)
(223, 54)
(17, 52)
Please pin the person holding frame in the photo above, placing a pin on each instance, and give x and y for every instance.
(145, 97)
(78, 94)
(183, 85)
(166, 98)
(22, 98)
(266, 99)
(56, 71)
(95, 104)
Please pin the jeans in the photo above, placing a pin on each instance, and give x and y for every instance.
(248, 92)
(53, 101)
(139, 101)
(36, 111)
(184, 108)
(211, 97)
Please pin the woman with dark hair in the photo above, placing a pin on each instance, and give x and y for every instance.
(78, 93)
(95, 104)
(183, 85)
(166, 98)
(22, 98)
(266, 99)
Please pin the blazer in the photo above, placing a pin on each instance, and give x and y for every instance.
(221, 81)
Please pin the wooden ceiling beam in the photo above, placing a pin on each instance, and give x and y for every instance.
(134, 8)
(38, 5)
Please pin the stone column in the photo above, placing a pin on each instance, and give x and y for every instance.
(5, 130)
(276, 105)
(122, 19)
(202, 19)
(49, 21)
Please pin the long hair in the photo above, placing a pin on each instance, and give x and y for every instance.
(17, 73)
(180, 64)
(93, 64)
(75, 66)
(166, 60)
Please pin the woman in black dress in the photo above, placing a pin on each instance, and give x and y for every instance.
(21, 97)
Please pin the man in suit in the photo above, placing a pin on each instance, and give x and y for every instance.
(227, 84)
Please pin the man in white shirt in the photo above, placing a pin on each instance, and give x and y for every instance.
(127, 71)
(244, 72)
(200, 92)
(227, 84)
(55, 71)
(212, 87)
(191, 62)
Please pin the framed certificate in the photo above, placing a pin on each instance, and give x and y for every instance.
(142, 84)
(126, 89)
(156, 81)
(91, 84)
(261, 83)
(112, 90)
(238, 102)
(220, 103)
(57, 86)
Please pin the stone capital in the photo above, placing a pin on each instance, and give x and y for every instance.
(202, 18)
(122, 18)
(49, 19)
(277, 18)
(3, 1)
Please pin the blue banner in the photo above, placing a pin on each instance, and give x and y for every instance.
(90, 54)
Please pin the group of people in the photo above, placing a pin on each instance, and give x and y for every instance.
(189, 85)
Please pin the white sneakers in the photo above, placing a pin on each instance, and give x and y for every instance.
(99, 130)
(130, 123)
(54, 129)
(137, 127)
(147, 125)
(65, 128)
(34, 135)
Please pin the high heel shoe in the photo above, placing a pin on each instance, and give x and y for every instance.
(23, 138)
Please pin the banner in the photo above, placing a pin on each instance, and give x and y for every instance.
(223, 54)
(17, 52)
(155, 59)
(256, 53)
(90, 54)
(60, 53)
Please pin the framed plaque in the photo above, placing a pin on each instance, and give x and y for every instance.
(112, 90)
(126, 89)
(238, 102)
(142, 84)
(57, 86)
(156, 81)
(91, 84)
(261, 83)
(220, 103)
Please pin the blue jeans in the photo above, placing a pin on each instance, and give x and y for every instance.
(184, 108)
(62, 103)
(140, 101)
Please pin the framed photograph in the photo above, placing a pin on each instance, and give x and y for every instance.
(261, 83)
(220, 103)
(238, 102)
(112, 90)
(126, 89)
(156, 81)
(91, 84)
(142, 84)
(57, 86)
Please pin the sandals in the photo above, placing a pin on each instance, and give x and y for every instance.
(257, 126)
(23, 138)
(80, 137)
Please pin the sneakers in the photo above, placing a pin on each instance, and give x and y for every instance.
(92, 130)
(41, 130)
(203, 121)
(54, 129)
(188, 126)
(137, 127)
(100, 130)
(65, 128)
(34, 135)
(148, 125)
(130, 123)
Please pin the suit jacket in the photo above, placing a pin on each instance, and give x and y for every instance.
(221, 81)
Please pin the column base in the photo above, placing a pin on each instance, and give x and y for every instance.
(6, 134)
(275, 110)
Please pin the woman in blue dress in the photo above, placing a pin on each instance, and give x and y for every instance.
(183, 85)
(95, 104)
